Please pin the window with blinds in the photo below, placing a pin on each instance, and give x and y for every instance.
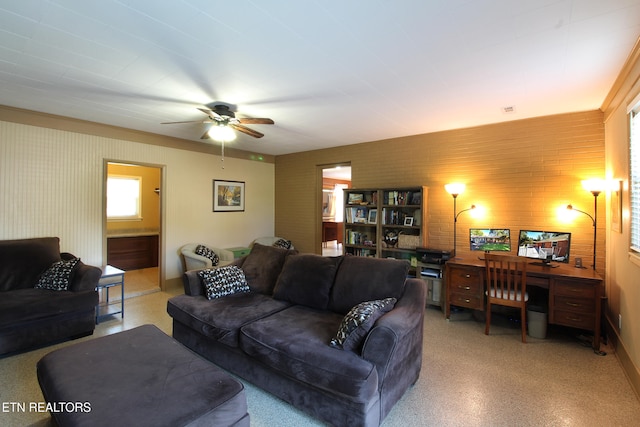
(634, 178)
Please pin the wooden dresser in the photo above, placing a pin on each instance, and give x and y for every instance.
(575, 294)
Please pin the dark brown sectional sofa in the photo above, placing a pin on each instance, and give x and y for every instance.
(277, 336)
(31, 317)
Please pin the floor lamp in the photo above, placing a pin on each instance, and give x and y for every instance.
(455, 190)
(594, 187)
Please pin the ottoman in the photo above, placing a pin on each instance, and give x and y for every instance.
(140, 377)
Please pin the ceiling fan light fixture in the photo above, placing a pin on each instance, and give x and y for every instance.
(222, 133)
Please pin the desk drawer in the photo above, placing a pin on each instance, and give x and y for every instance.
(466, 280)
(574, 320)
(574, 288)
(578, 305)
(465, 287)
(541, 282)
(468, 300)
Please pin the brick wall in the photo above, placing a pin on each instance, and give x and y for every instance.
(522, 173)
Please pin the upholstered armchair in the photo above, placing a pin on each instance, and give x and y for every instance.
(193, 261)
(269, 241)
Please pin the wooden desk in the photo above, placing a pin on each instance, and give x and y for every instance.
(575, 294)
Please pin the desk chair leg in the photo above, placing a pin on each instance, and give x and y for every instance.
(487, 319)
(523, 322)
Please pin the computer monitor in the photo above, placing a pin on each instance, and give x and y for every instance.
(490, 239)
(545, 246)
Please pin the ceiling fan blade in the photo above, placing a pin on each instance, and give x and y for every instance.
(246, 130)
(188, 121)
(210, 113)
(255, 121)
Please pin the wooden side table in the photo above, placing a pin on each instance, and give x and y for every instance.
(111, 277)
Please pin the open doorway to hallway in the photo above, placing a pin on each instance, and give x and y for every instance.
(133, 225)
(335, 179)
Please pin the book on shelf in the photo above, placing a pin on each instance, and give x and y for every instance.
(363, 252)
(355, 237)
(393, 217)
(402, 198)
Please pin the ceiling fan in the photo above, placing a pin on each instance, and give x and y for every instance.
(221, 115)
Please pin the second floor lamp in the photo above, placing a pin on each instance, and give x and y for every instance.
(595, 187)
(455, 190)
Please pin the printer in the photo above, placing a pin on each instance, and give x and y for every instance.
(433, 256)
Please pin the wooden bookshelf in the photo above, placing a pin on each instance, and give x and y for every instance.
(374, 216)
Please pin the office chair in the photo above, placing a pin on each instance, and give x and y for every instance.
(506, 286)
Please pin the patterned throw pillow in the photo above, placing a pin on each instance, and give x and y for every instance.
(220, 282)
(357, 323)
(204, 251)
(58, 276)
(282, 243)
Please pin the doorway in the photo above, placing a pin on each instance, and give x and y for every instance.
(133, 221)
(335, 179)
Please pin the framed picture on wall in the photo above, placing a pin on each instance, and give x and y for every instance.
(228, 196)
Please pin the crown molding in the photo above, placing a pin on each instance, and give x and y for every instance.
(51, 121)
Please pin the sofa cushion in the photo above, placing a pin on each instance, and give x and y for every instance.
(357, 323)
(58, 276)
(282, 243)
(220, 282)
(23, 261)
(222, 318)
(262, 267)
(294, 342)
(204, 251)
(23, 305)
(306, 279)
(362, 279)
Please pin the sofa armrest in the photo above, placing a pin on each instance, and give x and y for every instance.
(85, 277)
(394, 344)
(192, 284)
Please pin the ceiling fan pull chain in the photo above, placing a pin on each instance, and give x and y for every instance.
(222, 154)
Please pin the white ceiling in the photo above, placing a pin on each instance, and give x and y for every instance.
(328, 72)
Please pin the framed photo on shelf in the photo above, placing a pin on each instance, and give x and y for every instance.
(372, 218)
(359, 215)
(355, 198)
(408, 221)
(228, 196)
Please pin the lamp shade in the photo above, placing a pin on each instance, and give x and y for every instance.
(454, 188)
(221, 133)
(594, 185)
